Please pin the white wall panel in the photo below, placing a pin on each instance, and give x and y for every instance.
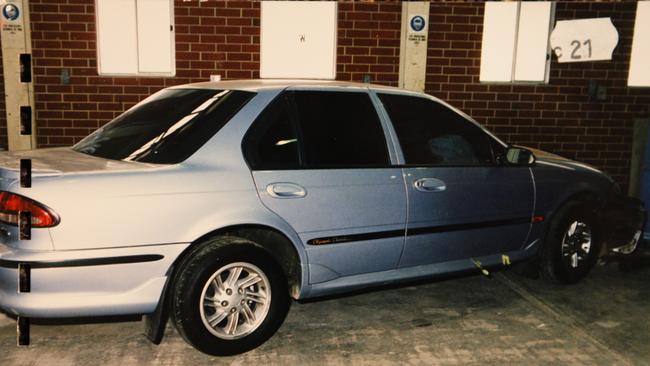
(116, 37)
(531, 62)
(298, 39)
(499, 35)
(155, 41)
(640, 58)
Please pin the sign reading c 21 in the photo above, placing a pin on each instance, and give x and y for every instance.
(584, 40)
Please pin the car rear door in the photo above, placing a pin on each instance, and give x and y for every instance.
(461, 204)
(321, 161)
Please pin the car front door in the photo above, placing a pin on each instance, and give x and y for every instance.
(461, 204)
(320, 160)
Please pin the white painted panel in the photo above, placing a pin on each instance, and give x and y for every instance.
(640, 59)
(117, 47)
(498, 46)
(298, 39)
(532, 41)
(155, 36)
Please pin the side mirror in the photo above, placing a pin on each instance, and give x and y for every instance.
(520, 156)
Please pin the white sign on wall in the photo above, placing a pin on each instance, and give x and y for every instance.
(298, 39)
(640, 58)
(515, 41)
(135, 37)
(584, 40)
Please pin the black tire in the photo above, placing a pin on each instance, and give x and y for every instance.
(555, 261)
(191, 280)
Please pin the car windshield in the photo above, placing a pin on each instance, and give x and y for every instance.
(165, 128)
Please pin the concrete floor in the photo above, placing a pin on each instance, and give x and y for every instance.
(604, 320)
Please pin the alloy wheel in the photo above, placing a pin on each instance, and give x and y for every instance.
(235, 300)
(576, 244)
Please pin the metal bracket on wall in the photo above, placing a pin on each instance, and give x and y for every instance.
(597, 91)
(25, 68)
(24, 286)
(25, 225)
(26, 120)
(22, 330)
(26, 173)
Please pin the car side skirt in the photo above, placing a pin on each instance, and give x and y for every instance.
(469, 265)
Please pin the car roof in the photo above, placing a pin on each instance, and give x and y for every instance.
(275, 84)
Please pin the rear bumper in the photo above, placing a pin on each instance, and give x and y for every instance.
(81, 283)
(623, 220)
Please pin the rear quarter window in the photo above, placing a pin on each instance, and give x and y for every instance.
(166, 128)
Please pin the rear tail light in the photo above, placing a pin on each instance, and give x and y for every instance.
(11, 205)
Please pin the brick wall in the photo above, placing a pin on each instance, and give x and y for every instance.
(212, 37)
(558, 117)
(217, 37)
(368, 42)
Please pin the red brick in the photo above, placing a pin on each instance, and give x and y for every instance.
(251, 31)
(217, 39)
(44, 8)
(40, 28)
(54, 17)
(238, 39)
(201, 12)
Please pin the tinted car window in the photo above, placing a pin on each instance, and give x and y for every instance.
(166, 128)
(272, 143)
(433, 134)
(340, 129)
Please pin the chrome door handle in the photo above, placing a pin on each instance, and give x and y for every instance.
(285, 190)
(429, 185)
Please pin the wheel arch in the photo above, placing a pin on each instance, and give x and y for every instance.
(277, 243)
(584, 194)
(589, 196)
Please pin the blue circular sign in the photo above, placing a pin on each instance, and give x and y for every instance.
(417, 23)
(10, 12)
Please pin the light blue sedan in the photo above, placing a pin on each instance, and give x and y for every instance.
(215, 204)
